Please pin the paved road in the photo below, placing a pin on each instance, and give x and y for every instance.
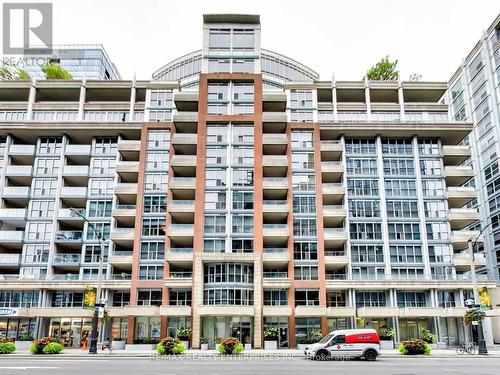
(296, 366)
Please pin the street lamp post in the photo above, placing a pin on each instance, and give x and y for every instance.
(95, 317)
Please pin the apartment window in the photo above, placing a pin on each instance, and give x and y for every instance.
(243, 40)
(431, 167)
(216, 177)
(359, 166)
(304, 227)
(243, 92)
(364, 208)
(47, 166)
(360, 146)
(101, 228)
(106, 145)
(100, 208)
(41, 209)
(400, 167)
(159, 139)
(155, 182)
(152, 250)
(402, 209)
(103, 166)
(179, 297)
(404, 231)
(243, 156)
(216, 155)
(216, 133)
(36, 253)
(243, 65)
(148, 297)
(49, 145)
(214, 245)
(93, 253)
(446, 298)
(121, 298)
(305, 250)
(370, 299)
(428, 146)
(155, 204)
(43, 187)
(306, 297)
(303, 160)
(219, 39)
(242, 224)
(157, 161)
(367, 253)
(396, 146)
(39, 230)
(365, 231)
(304, 204)
(407, 273)
(228, 273)
(62, 298)
(242, 177)
(336, 299)
(368, 187)
(275, 297)
(215, 224)
(302, 139)
(19, 298)
(303, 182)
(215, 200)
(434, 187)
(437, 231)
(400, 188)
(242, 200)
(150, 272)
(436, 209)
(161, 98)
(306, 272)
(242, 245)
(219, 65)
(101, 186)
(229, 297)
(301, 99)
(153, 227)
(440, 253)
(406, 253)
(411, 299)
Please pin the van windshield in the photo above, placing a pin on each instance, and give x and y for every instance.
(326, 339)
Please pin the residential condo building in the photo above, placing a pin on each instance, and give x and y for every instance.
(236, 191)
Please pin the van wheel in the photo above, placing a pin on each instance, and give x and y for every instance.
(371, 355)
(322, 355)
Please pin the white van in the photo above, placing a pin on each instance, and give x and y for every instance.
(347, 343)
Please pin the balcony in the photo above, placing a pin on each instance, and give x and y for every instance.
(275, 209)
(75, 170)
(334, 215)
(11, 238)
(19, 174)
(67, 260)
(332, 171)
(180, 256)
(182, 210)
(336, 259)
(455, 155)
(22, 153)
(126, 192)
(276, 256)
(75, 196)
(179, 280)
(183, 187)
(274, 117)
(460, 196)
(275, 233)
(274, 143)
(465, 261)
(16, 192)
(458, 175)
(273, 101)
(184, 165)
(69, 238)
(462, 217)
(121, 258)
(123, 236)
(331, 150)
(185, 143)
(275, 165)
(275, 187)
(335, 237)
(276, 279)
(309, 308)
(333, 193)
(129, 149)
(125, 214)
(181, 233)
(461, 238)
(13, 216)
(185, 122)
(78, 153)
(7, 260)
(67, 215)
(128, 170)
(186, 101)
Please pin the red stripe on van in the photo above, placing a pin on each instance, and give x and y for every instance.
(362, 338)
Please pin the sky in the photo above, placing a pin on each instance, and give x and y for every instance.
(344, 38)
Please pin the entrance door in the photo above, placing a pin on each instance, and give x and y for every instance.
(283, 337)
(77, 333)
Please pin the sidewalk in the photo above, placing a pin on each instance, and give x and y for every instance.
(212, 354)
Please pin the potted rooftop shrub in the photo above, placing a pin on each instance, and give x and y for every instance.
(271, 338)
(24, 342)
(7, 346)
(204, 343)
(46, 345)
(248, 343)
(218, 341)
(387, 338)
(428, 337)
(183, 334)
(118, 343)
(414, 346)
(230, 346)
(170, 346)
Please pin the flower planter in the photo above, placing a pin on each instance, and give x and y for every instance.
(217, 347)
(270, 345)
(301, 347)
(441, 345)
(248, 346)
(118, 345)
(23, 345)
(186, 344)
(386, 344)
(140, 346)
(434, 346)
(204, 346)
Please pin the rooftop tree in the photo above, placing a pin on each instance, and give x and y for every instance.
(384, 70)
(55, 71)
(12, 72)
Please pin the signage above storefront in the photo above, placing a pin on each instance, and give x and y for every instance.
(7, 311)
